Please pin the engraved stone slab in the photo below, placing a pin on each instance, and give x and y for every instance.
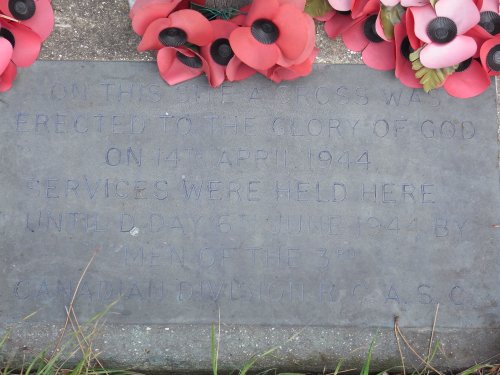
(338, 200)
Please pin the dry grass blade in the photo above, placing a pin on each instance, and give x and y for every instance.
(73, 298)
(9, 18)
(396, 318)
(410, 347)
(433, 330)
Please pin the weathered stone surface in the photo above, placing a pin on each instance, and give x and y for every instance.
(336, 201)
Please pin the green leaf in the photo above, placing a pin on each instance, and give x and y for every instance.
(428, 77)
(317, 8)
(214, 351)
(365, 370)
(389, 16)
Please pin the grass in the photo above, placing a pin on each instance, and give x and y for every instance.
(78, 344)
(73, 352)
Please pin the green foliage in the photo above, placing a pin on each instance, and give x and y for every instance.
(317, 8)
(214, 351)
(366, 366)
(390, 16)
(428, 77)
(215, 13)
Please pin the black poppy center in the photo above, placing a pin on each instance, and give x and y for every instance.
(191, 61)
(464, 65)
(4, 33)
(493, 58)
(406, 48)
(265, 31)
(442, 30)
(172, 37)
(370, 31)
(344, 12)
(22, 9)
(221, 51)
(490, 21)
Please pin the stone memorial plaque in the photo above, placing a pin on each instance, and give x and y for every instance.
(341, 199)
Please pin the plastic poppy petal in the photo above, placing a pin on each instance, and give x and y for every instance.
(299, 4)
(422, 16)
(358, 8)
(463, 12)
(305, 68)
(489, 6)
(414, 3)
(4, 7)
(5, 54)
(326, 17)
(471, 82)
(261, 9)
(370, 7)
(237, 71)
(216, 73)
(139, 5)
(149, 14)
(444, 55)
(8, 77)
(294, 31)
(28, 44)
(342, 5)
(403, 69)
(240, 19)
(354, 38)
(172, 70)
(150, 39)
(279, 73)
(337, 25)
(308, 49)
(390, 3)
(196, 26)
(480, 35)
(406, 75)
(222, 28)
(379, 56)
(42, 22)
(252, 52)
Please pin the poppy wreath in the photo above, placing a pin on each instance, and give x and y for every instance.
(24, 26)
(453, 44)
(275, 38)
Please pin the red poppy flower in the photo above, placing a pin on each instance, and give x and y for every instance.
(34, 14)
(7, 77)
(180, 64)
(25, 42)
(279, 73)
(362, 37)
(469, 80)
(442, 29)
(490, 56)
(274, 31)
(183, 27)
(220, 57)
(404, 71)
